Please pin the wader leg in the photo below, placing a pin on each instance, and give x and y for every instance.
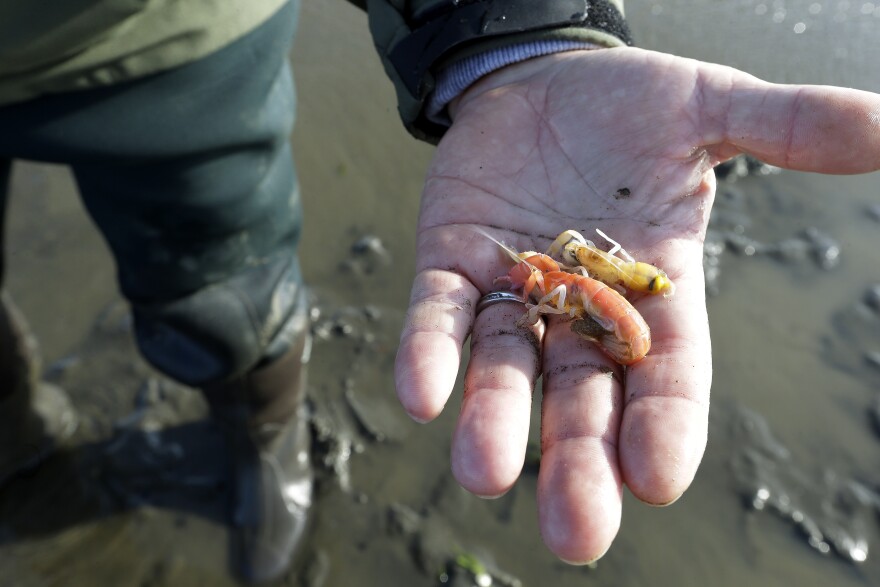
(5, 176)
(189, 176)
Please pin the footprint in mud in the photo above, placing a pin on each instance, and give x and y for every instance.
(730, 222)
(853, 344)
(140, 491)
(832, 514)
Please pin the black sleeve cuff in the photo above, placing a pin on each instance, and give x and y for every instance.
(455, 25)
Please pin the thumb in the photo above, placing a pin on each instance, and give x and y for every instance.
(808, 128)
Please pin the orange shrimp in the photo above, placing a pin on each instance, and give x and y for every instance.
(599, 313)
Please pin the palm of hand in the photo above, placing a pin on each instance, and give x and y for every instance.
(620, 140)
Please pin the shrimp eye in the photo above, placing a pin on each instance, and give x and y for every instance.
(661, 283)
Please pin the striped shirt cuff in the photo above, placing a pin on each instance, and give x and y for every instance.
(457, 77)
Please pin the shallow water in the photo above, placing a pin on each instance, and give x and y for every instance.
(788, 490)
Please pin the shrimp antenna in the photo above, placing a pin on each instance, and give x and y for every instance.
(510, 251)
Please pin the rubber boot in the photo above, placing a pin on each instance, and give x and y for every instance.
(266, 425)
(35, 416)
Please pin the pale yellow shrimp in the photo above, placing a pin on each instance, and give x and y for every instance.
(573, 249)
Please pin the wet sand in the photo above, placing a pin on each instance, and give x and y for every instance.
(788, 490)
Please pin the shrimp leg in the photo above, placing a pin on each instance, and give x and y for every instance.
(543, 305)
(617, 248)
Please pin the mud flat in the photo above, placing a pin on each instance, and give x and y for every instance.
(787, 493)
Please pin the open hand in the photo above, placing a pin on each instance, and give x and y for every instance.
(623, 140)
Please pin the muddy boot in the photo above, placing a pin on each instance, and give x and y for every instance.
(266, 425)
(34, 416)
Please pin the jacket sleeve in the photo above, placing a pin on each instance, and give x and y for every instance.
(417, 38)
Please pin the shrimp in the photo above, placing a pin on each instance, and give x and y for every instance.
(574, 249)
(597, 311)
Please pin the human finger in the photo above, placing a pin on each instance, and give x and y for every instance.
(809, 128)
(579, 483)
(489, 443)
(437, 323)
(665, 419)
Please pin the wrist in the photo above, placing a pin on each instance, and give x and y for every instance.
(429, 39)
(457, 77)
(514, 73)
